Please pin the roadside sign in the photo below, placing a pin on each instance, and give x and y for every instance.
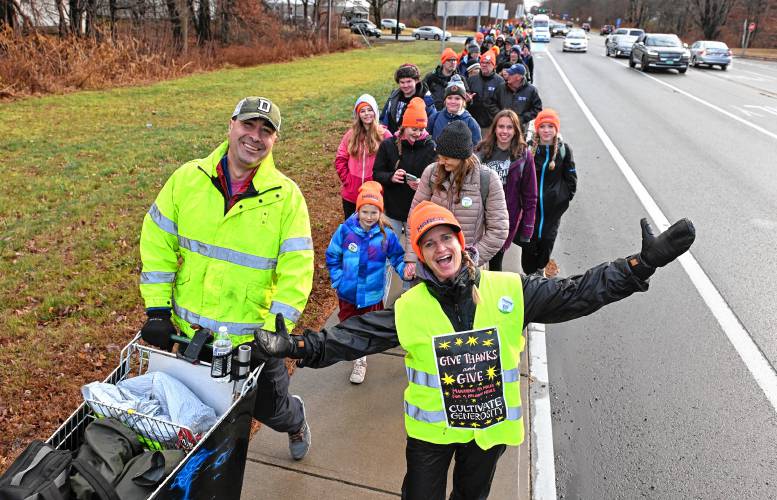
(618, 23)
(751, 27)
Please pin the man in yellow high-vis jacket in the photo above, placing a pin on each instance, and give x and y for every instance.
(462, 330)
(227, 243)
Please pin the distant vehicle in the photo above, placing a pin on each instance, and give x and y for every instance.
(711, 54)
(540, 31)
(427, 32)
(558, 29)
(391, 24)
(575, 41)
(606, 29)
(659, 50)
(620, 42)
(365, 28)
(586, 27)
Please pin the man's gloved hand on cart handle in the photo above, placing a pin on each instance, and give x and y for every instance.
(658, 251)
(158, 328)
(278, 344)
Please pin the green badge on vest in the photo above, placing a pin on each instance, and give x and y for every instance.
(470, 372)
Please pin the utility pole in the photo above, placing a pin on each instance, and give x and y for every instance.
(399, 4)
(444, 25)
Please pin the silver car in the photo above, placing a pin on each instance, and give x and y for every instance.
(620, 42)
(427, 32)
(711, 54)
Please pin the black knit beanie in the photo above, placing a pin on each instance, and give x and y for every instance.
(455, 141)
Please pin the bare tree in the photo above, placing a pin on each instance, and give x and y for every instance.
(7, 13)
(711, 15)
(376, 6)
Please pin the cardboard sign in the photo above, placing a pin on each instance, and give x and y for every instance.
(470, 372)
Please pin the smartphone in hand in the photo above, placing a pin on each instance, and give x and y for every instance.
(410, 177)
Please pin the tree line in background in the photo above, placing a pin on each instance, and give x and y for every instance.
(710, 19)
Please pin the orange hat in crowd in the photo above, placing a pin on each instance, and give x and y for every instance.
(547, 115)
(425, 216)
(370, 193)
(447, 54)
(488, 57)
(415, 114)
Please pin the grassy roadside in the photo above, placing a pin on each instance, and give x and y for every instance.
(81, 170)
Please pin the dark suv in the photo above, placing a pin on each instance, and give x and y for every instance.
(659, 50)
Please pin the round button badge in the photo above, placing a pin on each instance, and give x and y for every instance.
(353, 247)
(466, 202)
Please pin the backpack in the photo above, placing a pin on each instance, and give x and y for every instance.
(42, 473)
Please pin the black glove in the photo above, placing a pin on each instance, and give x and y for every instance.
(279, 344)
(158, 328)
(658, 251)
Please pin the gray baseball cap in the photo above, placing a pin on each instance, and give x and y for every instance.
(258, 107)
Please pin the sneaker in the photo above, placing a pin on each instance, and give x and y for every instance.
(299, 442)
(359, 371)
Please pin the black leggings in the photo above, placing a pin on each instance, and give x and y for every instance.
(427, 470)
(348, 208)
(535, 255)
(495, 264)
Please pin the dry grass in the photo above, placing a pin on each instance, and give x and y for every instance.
(36, 64)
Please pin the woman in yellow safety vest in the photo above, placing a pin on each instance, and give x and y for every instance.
(462, 330)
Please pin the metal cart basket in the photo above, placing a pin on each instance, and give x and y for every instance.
(215, 461)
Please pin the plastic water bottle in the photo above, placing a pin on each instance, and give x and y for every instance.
(221, 368)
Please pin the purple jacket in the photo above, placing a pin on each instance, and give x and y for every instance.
(521, 197)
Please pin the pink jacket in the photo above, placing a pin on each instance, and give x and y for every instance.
(353, 171)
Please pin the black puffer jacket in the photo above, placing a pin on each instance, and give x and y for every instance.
(436, 82)
(484, 104)
(525, 101)
(545, 301)
(415, 158)
(394, 109)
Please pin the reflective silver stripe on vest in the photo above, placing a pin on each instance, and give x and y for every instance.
(422, 378)
(212, 324)
(156, 277)
(417, 413)
(228, 255)
(289, 312)
(296, 244)
(163, 222)
(431, 380)
(511, 375)
(432, 417)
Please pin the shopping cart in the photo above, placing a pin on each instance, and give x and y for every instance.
(215, 461)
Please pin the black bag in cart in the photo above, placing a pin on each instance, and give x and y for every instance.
(40, 473)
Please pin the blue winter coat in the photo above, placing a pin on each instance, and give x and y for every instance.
(441, 119)
(357, 261)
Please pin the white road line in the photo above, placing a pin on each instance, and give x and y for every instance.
(543, 465)
(754, 359)
(701, 101)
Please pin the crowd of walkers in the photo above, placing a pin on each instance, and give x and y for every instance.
(471, 136)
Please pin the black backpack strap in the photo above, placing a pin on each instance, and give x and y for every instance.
(102, 488)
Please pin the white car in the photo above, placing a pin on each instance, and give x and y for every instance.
(390, 24)
(430, 32)
(575, 41)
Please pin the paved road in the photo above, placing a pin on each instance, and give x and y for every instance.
(649, 397)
